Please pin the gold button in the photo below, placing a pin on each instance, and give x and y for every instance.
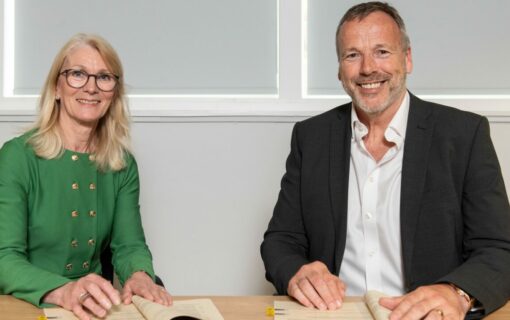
(74, 243)
(74, 213)
(74, 157)
(92, 157)
(91, 242)
(74, 186)
(85, 265)
(92, 186)
(69, 266)
(92, 213)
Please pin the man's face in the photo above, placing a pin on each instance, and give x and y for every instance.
(373, 64)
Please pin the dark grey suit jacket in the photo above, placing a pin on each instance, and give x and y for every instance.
(455, 216)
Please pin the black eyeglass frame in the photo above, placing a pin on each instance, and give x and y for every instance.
(66, 72)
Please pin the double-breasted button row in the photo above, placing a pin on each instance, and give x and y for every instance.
(75, 157)
(76, 186)
(75, 213)
(85, 265)
(90, 242)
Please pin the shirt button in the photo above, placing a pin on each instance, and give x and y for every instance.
(92, 213)
(74, 243)
(368, 215)
(92, 186)
(74, 186)
(92, 157)
(371, 253)
(370, 179)
(74, 157)
(74, 213)
(85, 265)
(69, 266)
(91, 242)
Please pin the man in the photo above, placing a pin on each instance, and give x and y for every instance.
(390, 192)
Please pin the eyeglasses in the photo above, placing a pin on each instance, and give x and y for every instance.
(78, 79)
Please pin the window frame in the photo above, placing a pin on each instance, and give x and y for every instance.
(291, 100)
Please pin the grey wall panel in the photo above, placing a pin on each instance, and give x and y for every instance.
(166, 46)
(458, 46)
(207, 193)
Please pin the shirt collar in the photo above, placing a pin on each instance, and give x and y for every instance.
(396, 130)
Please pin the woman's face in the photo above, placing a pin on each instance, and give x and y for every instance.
(86, 105)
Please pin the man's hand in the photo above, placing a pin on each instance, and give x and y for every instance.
(90, 294)
(439, 301)
(142, 285)
(314, 286)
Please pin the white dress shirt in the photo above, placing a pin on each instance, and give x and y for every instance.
(373, 253)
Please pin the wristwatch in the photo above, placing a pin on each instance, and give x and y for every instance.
(476, 310)
(470, 300)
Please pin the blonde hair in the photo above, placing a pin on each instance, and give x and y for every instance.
(112, 140)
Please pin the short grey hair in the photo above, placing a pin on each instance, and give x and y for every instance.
(362, 10)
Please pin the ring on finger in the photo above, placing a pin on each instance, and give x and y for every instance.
(84, 296)
(440, 312)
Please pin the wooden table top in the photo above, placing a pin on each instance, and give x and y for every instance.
(232, 308)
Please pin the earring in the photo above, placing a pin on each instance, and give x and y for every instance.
(57, 98)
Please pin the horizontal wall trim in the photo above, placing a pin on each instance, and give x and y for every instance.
(490, 106)
(215, 119)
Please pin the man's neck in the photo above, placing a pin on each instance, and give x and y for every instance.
(377, 123)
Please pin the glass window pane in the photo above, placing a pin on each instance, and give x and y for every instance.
(458, 46)
(167, 47)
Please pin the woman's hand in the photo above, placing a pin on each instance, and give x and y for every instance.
(90, 294)
(142, 285)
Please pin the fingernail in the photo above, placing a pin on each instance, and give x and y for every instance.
(107, 304)
(116, 301)
(339, 303)
(332, 306)
(322, 306)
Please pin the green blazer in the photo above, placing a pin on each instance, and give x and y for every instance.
(57, 216)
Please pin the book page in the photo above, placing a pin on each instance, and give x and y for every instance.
(120, 312)
(372, 300)
(203, 309)
(291, 310)
(142, 309)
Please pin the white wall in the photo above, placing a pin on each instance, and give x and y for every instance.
(209, 184)
(207, 193)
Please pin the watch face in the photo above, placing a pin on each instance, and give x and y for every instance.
(475, 313)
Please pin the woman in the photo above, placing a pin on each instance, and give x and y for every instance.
(69, 190)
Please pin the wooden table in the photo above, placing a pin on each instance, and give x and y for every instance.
(232, 308)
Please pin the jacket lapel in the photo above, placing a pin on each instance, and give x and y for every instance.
(340, 150)
(416, 150)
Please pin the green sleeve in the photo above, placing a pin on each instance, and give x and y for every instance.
(130, 252)
(18, 276)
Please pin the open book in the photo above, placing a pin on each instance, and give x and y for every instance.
(142, 309)
(369, 309)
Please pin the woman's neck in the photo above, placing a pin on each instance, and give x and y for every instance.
(79, 138)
